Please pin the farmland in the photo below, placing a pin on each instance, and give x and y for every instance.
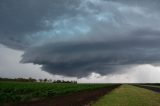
(153, 87)
(27, 91)
(129, 95)
(13, 93)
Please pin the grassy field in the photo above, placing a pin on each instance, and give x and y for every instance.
(25, 91)
(156, 86)
(128, 95)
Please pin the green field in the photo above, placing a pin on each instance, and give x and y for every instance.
(125, 95)
(128, 95)
(156, 86)
(24, 91)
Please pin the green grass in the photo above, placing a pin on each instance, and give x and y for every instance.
(25, 91)
(155, 86)
(128, 95)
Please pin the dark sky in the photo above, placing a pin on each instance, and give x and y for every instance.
(78, 37)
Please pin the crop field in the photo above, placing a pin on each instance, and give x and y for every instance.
(63, 94)
(25, 91)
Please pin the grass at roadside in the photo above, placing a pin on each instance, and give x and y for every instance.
(128, 95)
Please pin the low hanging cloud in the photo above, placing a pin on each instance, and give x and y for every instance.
(77, 38)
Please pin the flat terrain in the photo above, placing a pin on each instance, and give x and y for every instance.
(21, 93)
(82, 98)
(63, 94)
(155, 88)
(128, 95)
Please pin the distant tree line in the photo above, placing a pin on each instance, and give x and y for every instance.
(18, 79)
(56, 81)
(39, 80)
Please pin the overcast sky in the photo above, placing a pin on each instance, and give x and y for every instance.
(84, 40)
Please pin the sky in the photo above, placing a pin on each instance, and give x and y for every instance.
(85, 40)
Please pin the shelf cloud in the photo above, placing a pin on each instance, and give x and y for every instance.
(79, 37)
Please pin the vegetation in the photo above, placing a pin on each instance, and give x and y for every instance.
(24, 91)
(18, 90)
(19, 79)
(34, 80)
(155, 86)
(128, 95)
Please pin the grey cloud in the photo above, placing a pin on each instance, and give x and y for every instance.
(82, 58)
(21, 20)
(76, 38)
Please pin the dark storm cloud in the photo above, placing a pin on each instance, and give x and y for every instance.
(81, 58)
(76, 38)
(20, 19)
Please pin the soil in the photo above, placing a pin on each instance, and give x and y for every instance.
(82, 98)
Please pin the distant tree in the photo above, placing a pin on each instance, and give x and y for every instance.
(45, 80)
(40, 80)
(18, 79)
(50, 80)
(32, 80)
